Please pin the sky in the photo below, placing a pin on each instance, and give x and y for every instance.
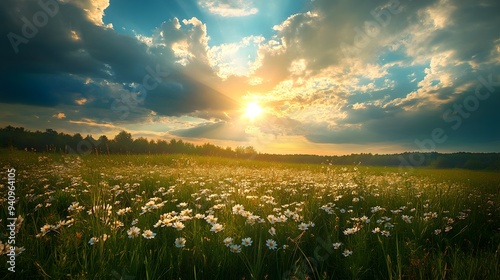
(327, 77)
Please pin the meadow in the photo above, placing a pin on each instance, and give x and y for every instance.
(190, 217)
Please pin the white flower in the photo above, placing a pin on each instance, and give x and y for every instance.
(272, 231)
(271, 244)
(45, 229)
(347, 253)
(246, 241)
(272, 219)
(303, 226)
(350, 231)
(217, 228)
(376, 230)
(406, 218)
(178, 225)
(235, 248)
(385, 233)
(180, 242)
(238, 208)
(93, 241)
(337, 245)
(148, 234)
(133, 232)
(228, 241)
(365, 219)
(211, 219)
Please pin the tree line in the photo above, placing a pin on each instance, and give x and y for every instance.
(51, 141)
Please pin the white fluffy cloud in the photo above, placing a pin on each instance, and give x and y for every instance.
(235, 58)
(229, 8)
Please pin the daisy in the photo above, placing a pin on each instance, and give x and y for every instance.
(376, 230)
(211, 219)
(133, 232)
(406, 218)
(246, 241)
(93, 241)
(337, 245)
(148, 234)
(238, 208)
(271, 244)
(376, 209)
(178, 225)
(228, 241)
(116, 224)
(217, 228)
(365, 219)
(180, 242)
(45, 229)
(303, 226)
(347, 253)
(351, 230)
(272, 231)
(235, 248)
(272, 219)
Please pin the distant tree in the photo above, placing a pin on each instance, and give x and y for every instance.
(103, 145)
(51, 141)
(123, 142)
(162, 146)
(140, 146)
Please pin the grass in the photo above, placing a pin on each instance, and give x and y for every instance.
(356, 222)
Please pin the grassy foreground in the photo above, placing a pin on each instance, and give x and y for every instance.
(179, 217)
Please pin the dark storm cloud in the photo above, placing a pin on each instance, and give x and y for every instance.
(187, 96)
(70, 57)
(217, 130)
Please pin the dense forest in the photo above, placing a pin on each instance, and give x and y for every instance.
(51, 141)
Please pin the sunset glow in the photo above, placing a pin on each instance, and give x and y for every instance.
(253, 110)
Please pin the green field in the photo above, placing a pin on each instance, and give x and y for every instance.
(185, 217)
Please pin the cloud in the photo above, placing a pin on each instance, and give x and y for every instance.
(214, 130)
(59, 115)
(232, 59)
(75, 60)
(89, 122)
(229, 8)
(94, 9)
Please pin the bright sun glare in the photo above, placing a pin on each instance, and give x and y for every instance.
(253, 110)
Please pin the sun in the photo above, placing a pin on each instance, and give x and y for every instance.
(253, 110)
